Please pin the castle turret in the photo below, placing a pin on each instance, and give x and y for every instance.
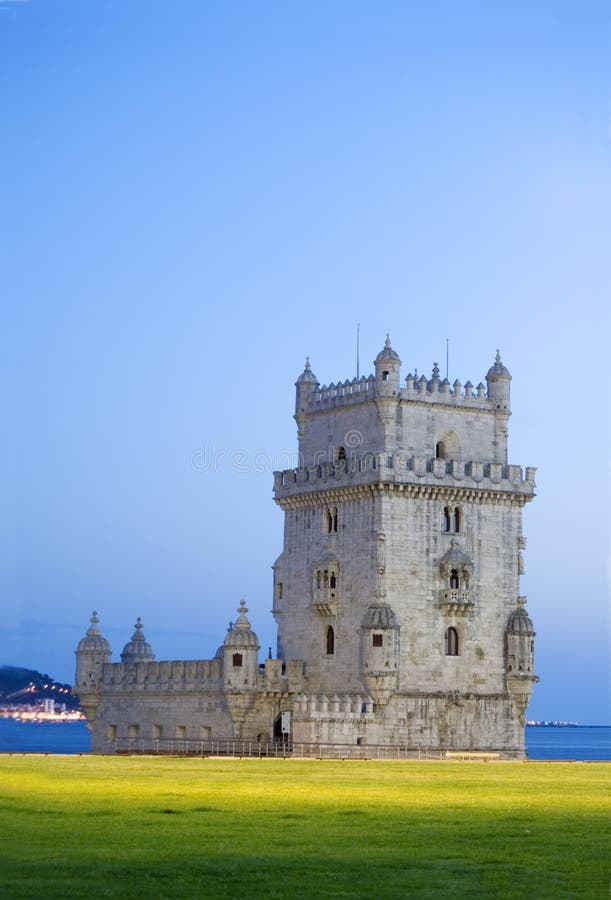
(498, 379)
(380, 651)
(387, 390)
(519, 657)
(304, 385)
(388, 367)
(240, 668)
(240, 654)
(92, 652)
(138, 648)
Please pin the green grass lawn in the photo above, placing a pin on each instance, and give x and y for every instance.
(156, 827)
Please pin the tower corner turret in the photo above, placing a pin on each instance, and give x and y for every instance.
(92, 652)
(498, 379)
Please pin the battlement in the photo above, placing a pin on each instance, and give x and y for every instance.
(416, 390)
(402, 468)
(196, 675)
(168, 675)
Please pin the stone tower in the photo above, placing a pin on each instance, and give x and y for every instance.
(399, 576)
(396, 594)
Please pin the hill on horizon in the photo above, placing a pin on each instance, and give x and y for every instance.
(25, 686)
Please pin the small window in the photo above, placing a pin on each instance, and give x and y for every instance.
(377, 640)
(330, 641)
(181, 732)
(111, 733)
(278, 590)
(157, 732)
(385, 376)
(133, 731)
(237, 660)
(318, 579)
(341, 454)
(456, 520)
(445, 519)
(454, 580)
(440, 450)
(205, 732)
(330, 520)
(332, 581)
(451, 642)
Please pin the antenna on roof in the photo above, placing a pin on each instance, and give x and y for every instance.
(358, 329)
(447, 356)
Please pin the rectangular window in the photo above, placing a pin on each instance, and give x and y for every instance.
(111, 733)
(377, 640)
(237, 660)
(157, 731)
(181, 731)
(133, 731)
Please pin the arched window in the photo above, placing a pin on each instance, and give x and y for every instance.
(385, 376)
(332, 581)
(341, 454)
(330, 520)
(451, 642)
(440, 450)
(318, 579)
(445, 519)
(237, 660)
(330, 641)
(454, 580)
(326, 579)
(456, 520)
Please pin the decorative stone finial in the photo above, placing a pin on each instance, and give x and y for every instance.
(138, 635)
(93, 628)
(435, 371)
(242, 622)
(497, 359)
(387, 343)
(521, 602)
(307, 365)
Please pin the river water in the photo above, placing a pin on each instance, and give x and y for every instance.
(576, 742)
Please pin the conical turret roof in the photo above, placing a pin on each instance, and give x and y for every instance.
(387, 353)
(93, 640)
(138, 648)
(519, 621)
(498, 370)
(241, 634)
(307, 376)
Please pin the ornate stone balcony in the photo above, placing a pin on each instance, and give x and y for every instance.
(325, 601)
(455, 601)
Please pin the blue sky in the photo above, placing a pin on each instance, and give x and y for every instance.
(194, 196)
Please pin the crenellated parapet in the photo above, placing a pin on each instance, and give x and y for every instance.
(167, 675)
(315, 398)
(180, 676)
(409, 472)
